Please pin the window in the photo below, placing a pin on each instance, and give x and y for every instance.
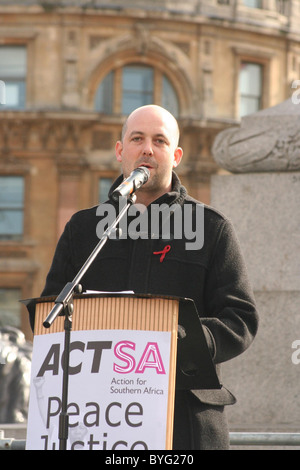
(282, 6)
(250, 88)
(103, 189)
(169, 98)
(137, 87)
(104, 95)
(11, 207)
(253, 3)
(2, 92)
(10, 307)
(140, 85)
(13, 74)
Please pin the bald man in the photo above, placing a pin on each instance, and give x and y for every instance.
(212, 274)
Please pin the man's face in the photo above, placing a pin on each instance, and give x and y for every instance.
(150, 140)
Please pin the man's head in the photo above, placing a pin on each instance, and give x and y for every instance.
(150, 138)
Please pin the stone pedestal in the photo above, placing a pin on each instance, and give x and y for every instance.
(265, 210)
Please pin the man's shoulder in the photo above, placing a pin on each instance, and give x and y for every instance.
(84, 215)
(210, 212)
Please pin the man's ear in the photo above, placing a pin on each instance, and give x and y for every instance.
(118, 150)
(177, 156)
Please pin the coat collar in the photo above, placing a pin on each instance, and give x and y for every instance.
(177, 194)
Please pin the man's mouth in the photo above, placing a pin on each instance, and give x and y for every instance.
(147, 165)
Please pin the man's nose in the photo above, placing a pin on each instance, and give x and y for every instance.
(148, 149)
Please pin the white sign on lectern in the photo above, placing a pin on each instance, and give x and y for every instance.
(119, 388)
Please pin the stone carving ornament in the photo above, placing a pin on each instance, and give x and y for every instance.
(268, 140)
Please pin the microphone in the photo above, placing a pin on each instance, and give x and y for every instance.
(135, 180)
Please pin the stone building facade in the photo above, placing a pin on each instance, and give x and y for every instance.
(71, 69)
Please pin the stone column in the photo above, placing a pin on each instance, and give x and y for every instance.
(261, 195)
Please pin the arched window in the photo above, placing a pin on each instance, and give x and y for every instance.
(104, 95)
(140, 85)
(137, 87)
(169, 98)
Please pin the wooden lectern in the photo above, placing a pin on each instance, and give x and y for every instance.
(99, 312)
(190, 364)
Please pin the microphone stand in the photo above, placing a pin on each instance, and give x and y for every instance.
(64, 307)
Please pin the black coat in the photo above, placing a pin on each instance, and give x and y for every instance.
(214, 276)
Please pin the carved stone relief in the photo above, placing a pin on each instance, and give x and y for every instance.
(268, 140)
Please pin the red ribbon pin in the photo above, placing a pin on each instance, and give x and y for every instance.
(162, 253)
